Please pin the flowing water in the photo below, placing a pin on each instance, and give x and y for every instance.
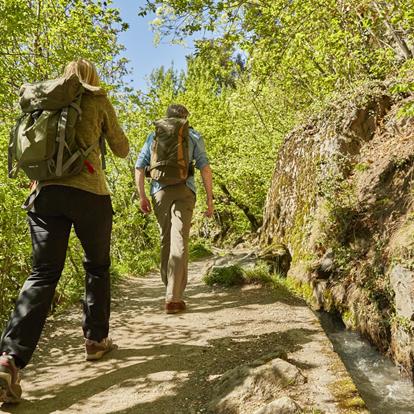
(378, 380)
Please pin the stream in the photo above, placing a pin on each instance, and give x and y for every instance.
(378, 380)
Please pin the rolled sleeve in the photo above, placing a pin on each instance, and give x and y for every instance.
(144, 156)
(199, 152)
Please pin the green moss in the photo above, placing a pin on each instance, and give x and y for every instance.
(349, 318)
(275, 248)
(403, 323)
(236, 275)
(328, 300)
(296, 234)
(362, 166)
(307, 292)
(347, 395)
(303, 290)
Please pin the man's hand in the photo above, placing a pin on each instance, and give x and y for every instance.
(145, 205)
(210, 208)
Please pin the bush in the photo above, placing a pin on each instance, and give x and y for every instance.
(225, 276)
(233, 275)
(199, 250)
(259, 274)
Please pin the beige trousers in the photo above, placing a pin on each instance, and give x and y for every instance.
(173, 207)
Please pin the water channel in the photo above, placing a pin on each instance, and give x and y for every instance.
(378, 380)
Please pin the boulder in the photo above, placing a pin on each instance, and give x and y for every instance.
(284, 405)
(242, 389)
(278, 257)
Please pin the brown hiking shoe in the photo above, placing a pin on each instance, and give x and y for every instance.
(175, 307)
(10, 389)
(96, 350)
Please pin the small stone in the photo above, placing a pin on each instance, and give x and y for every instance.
(246, 386)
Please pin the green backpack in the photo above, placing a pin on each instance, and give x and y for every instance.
(169, 151)
(43, 141)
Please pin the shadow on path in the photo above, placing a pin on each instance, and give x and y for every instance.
(165, 363)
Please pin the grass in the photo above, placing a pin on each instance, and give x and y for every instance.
(198, 250)
(258, 275)
(225, 276)
(234, 275)
(303, 290)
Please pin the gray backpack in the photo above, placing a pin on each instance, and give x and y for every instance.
(43, 141)
(169, 151)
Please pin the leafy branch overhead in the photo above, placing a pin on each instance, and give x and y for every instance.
(305, 44)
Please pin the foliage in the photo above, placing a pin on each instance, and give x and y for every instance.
(14, 238)
(234, 136)
(266, 66)
(405, 87)
(224, 276)
(259, 274)
(39, 37)
(307, 48)
(233, 275)
(199, 250)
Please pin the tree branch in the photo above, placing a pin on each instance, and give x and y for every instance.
(254, 223)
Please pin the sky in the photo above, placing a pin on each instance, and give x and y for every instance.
(144, 56)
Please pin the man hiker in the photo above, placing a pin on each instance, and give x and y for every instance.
(65, 196)
(168, 157)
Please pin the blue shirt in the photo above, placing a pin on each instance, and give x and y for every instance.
(197, 153)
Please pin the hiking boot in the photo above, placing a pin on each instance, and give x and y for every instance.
(96, 350)
(175, 307)
(10, 389)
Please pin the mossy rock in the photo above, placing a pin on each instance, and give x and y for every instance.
(278, 257)
(232, 275)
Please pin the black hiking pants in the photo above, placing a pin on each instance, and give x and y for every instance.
(55, 210)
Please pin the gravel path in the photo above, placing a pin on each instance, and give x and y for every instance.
(169, 364)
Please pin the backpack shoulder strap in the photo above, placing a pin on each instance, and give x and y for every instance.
(61, 136)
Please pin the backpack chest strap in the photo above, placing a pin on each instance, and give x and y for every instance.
(60, 138)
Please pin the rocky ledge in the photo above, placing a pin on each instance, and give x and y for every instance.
(341, 206)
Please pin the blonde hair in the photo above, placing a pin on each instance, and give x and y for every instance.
(84, 69)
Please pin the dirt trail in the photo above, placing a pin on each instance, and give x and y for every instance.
(168, 364)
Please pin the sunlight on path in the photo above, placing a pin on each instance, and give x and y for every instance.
(168, 363)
